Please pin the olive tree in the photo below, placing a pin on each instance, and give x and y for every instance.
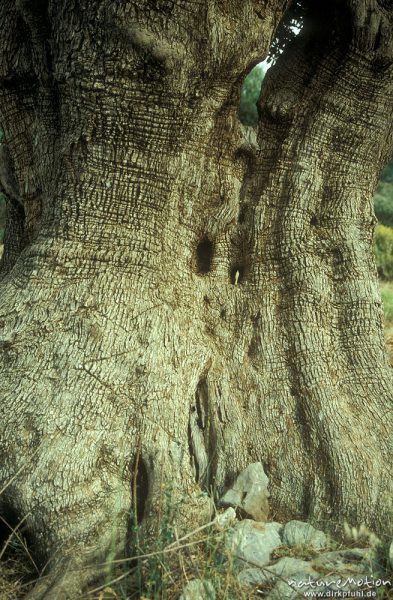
(181, 296)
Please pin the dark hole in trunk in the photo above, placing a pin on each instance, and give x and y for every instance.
(242, 215)
(204, 255)
(140, 488)
(16, 545)
(8, 521)
(338, 257)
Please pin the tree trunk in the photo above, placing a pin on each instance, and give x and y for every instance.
(181, 297)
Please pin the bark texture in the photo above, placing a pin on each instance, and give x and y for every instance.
(183, 296)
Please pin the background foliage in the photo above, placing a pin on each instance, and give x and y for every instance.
(249, 94)
(384, 251)
(383, 201)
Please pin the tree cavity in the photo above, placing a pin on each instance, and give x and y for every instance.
(204, 255)
(140, 487)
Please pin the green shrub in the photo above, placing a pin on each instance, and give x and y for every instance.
(387, 173)
(249, 94)
(383, 203)
(384, 251)
(387, 298)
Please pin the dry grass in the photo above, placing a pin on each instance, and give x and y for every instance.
(16, 572)
(162, 573)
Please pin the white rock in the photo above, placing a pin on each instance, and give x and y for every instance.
(285, 567)
(249, 492)
(225, 519)
(391, 554)
(253, 543)
(198, 589)
(299, 533)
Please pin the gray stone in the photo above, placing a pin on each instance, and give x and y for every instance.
(253, 543)
(391, 554)
(339, 571)
(249, 492)
(296, 533)
(225, 519)
(198, 589)
(352, 560)
(283, 568)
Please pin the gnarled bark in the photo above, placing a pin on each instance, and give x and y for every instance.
(188, 298)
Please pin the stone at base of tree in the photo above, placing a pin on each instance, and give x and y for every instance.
(198, 589)
(249, 492)
(225, 519)
(298, 533)
(284, 567)
(336, 571)
(252, 543)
